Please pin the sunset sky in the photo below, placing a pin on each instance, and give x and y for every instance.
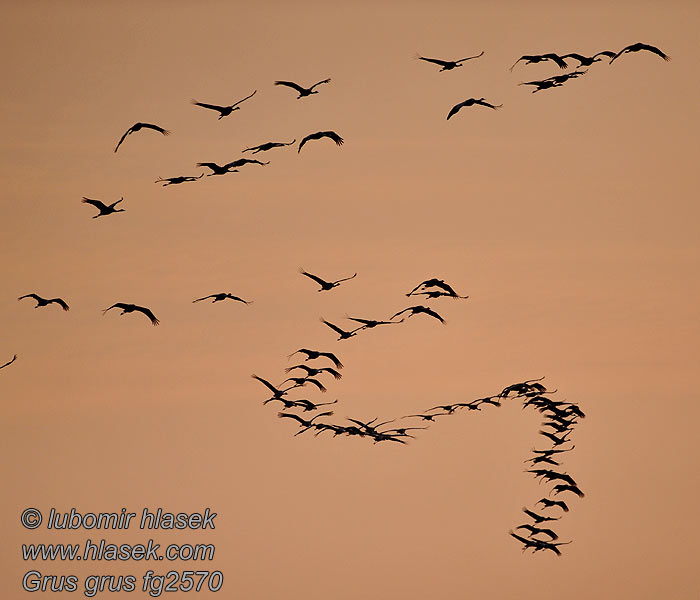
(568, 216)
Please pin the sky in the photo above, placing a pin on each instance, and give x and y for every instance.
(568, 216)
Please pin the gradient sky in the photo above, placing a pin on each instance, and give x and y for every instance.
(570, 218)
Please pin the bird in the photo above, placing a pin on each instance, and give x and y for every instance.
(587, 61)
(545, 84)
(224, 111)
(470, 102)
(438, 294)
(448, 65)
(247, 161)
(314, 354)
(370, 323)
(46, 301)
(344, 335)
(176, 180)
(538, 518)
(320, 134)
(311, 372)
(302, 91)
(325, 285)
(538, 544)
(105, 209)
(434, 282)
(7, 364)
(137, 127)
(305, 423)
(535, 530)
(223, 296)
(640, 46)
(302, 381)
(558, 489)
(415, 310)
(218, 169)
(268, 146)
(129, 308)
(547, 503)
(529, 58)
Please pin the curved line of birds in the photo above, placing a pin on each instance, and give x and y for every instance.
(445, 65)
(561, 417)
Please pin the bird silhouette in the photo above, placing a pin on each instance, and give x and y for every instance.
(302, 91)
(129, 308)
(587, 61)
(536, 58)
(138, 127)
(448, 65)
(176, 180)
(538, 518)
(218, 169)
(306, 424)
(302, 381)
(321, 134)
(370, 323)
(558, 489)
(105, 209)
(223, 296)
(416, 310)
(311, 372)
(547, 503)
(544, 84)
(640, 46)
(46, 301)
(314, 354)
(325, 285)
(470, 102)
(224, 111)
(268, 146)
(535, 530)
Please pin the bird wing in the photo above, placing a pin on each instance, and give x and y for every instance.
(244, 99)
(208, 165)
(488, 104)
(127, 132)
(346, 278)
(14, 358)
(155, 128)
(400, 312)
(578, 57)
(291, 84)
(557, 60)
(334, 359)
(317, 383)
(607, 53)
(319, 83)
(338, 330)
(470, 57)
(60, 302)
(239, 299)
(432, 313)
(653, 49)
(148, 313)
(95, 203)
(331, 371)
(35, 296)
(314, 277)
(116, 305)
(266, 383)
(436, 61)
(203, 298)
(333, 135)
(454, 110)
(209, 106)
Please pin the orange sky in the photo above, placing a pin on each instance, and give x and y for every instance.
(569, 217)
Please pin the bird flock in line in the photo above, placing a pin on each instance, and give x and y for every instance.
(561, 417)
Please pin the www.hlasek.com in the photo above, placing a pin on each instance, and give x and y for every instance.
(151, 581)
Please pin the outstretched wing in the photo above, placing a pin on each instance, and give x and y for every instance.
(317, 279)
(204, 298)
(35, 296)
(488, 104)
(95, 203)
(556, 59)
(470, 57)
(155, 128)
(244, 99)
(319, 83)
(14, 358)
(209, 106)
(292, 85)
(334, 359)
(455, 109)
(148, 313)
(436, 61)
(61, 303)
(338, 330)
(127, 132)
(345, 279)
(333, 135)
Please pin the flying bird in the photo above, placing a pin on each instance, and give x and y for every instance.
(311, 372)
(640, 46)
(438, 283)
(129, 308)
(370, 323)
(302, 381)
(268, 146)
(46, 301)
(530, 58)
(7, 364)
(448, 65)
(587, 61)
(277, 393)
(222, 296)
(314, 354)
(470, 102)
(302, 91)
(320, 134)
(415, 310)
(138, 127)
(224, 111)
(547, 503)
(218, 169)
(538, 518)
(325, 285)
(176, 180)
(105, 209)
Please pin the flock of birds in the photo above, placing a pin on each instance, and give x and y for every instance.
(561, 417)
